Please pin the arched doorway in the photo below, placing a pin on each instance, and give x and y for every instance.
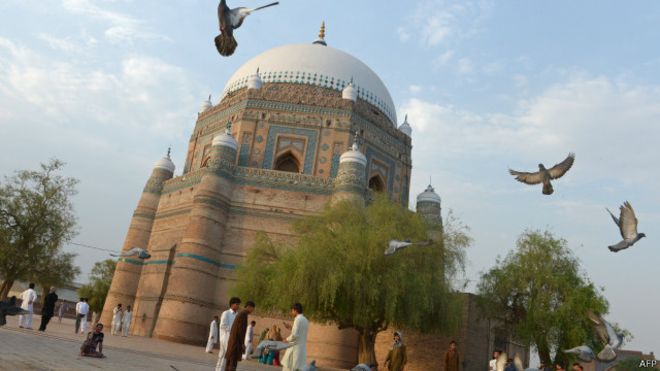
(376, 184)
(287, 162)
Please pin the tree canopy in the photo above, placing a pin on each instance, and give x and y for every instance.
(97, 289)
(338, 270)
(542, 296)
(58, 270)
(36, 218)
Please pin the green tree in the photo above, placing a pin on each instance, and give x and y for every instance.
(36, 218)
(59, 270)
(542, 296)
(96, 290)
(338, 270)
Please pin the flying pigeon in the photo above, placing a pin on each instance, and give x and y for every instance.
(627, 223)
(9, 308)
(583, 353)
(395, 245)
(272, 345)
(545, 175)
(138, 251)
(231, 19)
(361, 367)
(310, 367)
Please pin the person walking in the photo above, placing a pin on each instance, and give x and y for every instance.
(397, 357)
(236, 343)
(28, 297)
(126, 321)
(213, 335)
(452, 362)
(226, 322)
(295, 357)
(492, 364)
(61, 310)
(248, 339)
(83, 311)
(48, 309)
(117, 313)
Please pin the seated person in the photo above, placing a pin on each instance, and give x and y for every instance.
(94, 340)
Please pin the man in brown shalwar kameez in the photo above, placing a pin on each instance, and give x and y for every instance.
(236, 344)
(451, 358)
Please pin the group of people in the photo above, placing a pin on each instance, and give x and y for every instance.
(510, 366)
(121, 320)
(29, 298)
(235, 335)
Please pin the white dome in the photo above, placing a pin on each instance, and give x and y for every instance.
(319, 65)
(405, 127)
(166, 164)
(428, 195)
(224, 139)
(353, 155)
(349, 93)
(206, 104)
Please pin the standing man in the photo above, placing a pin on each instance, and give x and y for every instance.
(452, 362)
(236, 344)
(79, 316)
(126, 321)
(213, 335)
(62, 310)
(226, 321)
(295, 357)
(397, 357)
(248, 339)
(29, 296)
(48, 309)
(492, 364)
(116, 320)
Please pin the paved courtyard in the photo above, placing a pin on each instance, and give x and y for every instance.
(58, 347)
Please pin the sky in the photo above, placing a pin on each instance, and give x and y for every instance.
(108, 85)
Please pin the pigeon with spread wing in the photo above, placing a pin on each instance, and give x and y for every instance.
(9, 308)
(394, 245)
(231, 19)
(545, 175)
(627, 223)
(135, 251)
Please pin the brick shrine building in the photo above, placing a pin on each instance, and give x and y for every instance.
(278, 145)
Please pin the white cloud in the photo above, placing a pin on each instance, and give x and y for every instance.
(465, 66)
(609, 124)
(121, 27)
(415, 89)
(437, 21)
(443, 58)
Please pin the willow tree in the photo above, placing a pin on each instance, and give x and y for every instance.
(338, 270)
(542, 296)
(97, 289)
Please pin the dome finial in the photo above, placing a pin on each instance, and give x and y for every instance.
(321, 39)
(356, 141)
(228, 128)
(169, 151)
(405, 119)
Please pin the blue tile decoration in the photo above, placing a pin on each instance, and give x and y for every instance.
(244, 155)
(321, 171)
(206, 260)
(312, 139)
(323, 160)
(334, 166)
(325, 147)
(260, 139)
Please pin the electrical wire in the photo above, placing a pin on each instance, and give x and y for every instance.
(92, 247)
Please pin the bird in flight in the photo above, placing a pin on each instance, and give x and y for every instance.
(137, 251)
(395, 245)
(9, 308)
(231, 19)
(545, 175)
(627, 223)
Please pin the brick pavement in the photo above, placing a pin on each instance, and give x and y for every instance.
(58, 347)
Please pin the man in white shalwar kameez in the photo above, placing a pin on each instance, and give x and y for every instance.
(226, 321)
(295, 357)
(117, 314)
(126, 321)
(213, 335)
(28, 296)
(249, 335)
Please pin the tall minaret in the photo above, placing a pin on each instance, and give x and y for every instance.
(351, 180)
(190, 298)
(428, 206)
(127, 274)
